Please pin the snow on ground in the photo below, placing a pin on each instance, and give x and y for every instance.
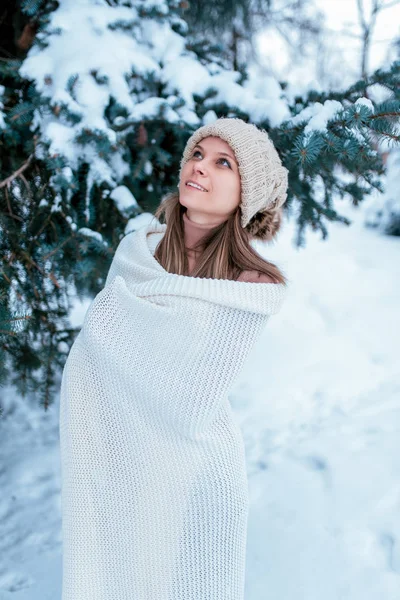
(319, 406)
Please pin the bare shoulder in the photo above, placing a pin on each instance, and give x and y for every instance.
(255, 277)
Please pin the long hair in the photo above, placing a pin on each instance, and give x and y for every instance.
(226, 250)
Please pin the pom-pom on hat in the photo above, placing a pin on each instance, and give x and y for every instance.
(264, 179)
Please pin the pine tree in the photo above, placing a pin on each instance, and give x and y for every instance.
(94, 116)
(384, 214)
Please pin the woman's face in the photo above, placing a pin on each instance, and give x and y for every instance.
(212, 165)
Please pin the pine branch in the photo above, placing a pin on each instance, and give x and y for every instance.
(395, 114)
(18, 172)
(10, 212)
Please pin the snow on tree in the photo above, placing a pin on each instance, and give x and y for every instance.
(95, 117)
(99, 70)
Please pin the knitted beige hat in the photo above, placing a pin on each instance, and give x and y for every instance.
(264, 180)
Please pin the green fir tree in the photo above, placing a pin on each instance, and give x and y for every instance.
(93, 121)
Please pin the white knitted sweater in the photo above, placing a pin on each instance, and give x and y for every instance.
(154, 487)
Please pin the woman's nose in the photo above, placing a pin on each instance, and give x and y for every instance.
(199, 168)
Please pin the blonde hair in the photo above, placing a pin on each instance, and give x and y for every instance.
(226, 250)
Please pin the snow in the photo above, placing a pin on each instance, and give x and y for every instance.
(365, 102)
(123, 197)
(150, 108)
(267, 89)
(87, 232)
(88, 62)
(319, 407)
(317, 115)
(319, 414)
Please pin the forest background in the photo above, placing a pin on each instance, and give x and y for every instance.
(97, 99)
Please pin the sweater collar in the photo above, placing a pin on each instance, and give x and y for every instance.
(147, 278)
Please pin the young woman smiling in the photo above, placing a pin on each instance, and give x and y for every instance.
(154, 486)
(243, 186)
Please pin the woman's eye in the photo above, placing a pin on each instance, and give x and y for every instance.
(219, 160)
(226, 160)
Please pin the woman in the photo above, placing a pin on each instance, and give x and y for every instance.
(154, 486)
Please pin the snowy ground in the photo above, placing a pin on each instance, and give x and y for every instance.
(319, 405)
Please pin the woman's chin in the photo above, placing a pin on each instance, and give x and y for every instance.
(186, 200)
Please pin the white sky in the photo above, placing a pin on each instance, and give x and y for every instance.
(343, 15)
(340, 57)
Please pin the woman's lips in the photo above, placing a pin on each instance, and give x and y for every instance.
(192, 187)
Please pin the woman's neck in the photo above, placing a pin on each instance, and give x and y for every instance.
(193, 232)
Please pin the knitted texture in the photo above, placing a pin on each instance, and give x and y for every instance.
(264, 179)
(154, 491)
